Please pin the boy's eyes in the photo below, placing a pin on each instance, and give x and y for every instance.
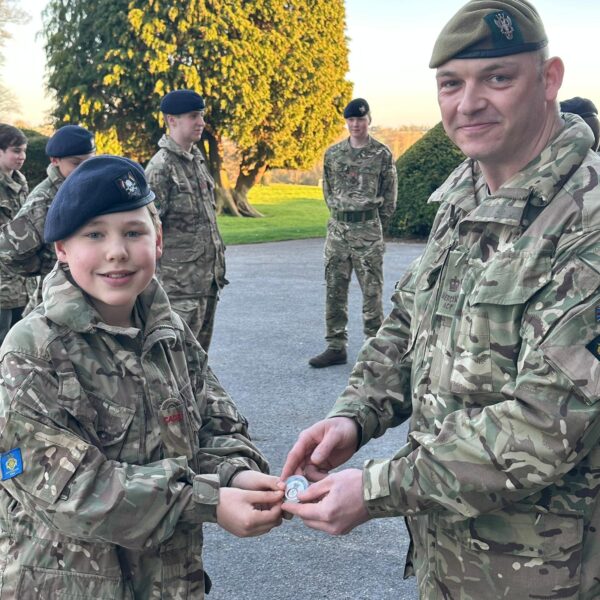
(96, 235)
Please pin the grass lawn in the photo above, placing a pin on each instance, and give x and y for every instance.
(292, 212)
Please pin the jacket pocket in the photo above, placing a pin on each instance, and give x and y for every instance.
(488, 336)
(504, 554)
(52, 584)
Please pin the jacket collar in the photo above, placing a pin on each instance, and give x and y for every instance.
(171, 145)
(66, 304)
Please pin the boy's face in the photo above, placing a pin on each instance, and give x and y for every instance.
(188, 127)
(67, 164)
(113, 258)
(12, 158)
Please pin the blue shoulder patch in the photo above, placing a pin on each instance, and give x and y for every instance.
(11, 464)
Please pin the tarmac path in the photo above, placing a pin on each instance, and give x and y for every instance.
(270, 321)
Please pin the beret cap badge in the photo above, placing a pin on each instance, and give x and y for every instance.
(128, 184)
(504, 24)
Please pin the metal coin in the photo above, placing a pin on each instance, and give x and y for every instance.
(293, 485)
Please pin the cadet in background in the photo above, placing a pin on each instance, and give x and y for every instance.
(192, 268)
(587, 110)
(117, 441)
(360, 189)
(492, 348)
(22, 247)
(13, 191)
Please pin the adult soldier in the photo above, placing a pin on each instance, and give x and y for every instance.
(13, 191)
(22, 247)
(492, 348)
(360, 189)
(192, 268)
(587, 110)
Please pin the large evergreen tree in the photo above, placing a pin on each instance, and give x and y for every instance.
(272, 73)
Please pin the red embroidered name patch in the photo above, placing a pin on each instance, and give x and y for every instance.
(176, 418)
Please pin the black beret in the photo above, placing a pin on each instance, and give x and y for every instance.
(101, 185)
(70, 140)
(580, 106)
(490, 28)
(358, 107)
(180, 102)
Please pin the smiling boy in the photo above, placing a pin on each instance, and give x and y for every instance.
(117, 439)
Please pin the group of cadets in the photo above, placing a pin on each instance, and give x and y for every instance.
(117, 441)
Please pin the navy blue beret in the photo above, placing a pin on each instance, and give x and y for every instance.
(180, 102)
(101, 185)
(358, 107)
(580, 106)
(70, 140)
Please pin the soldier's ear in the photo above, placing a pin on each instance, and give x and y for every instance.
(159, 242)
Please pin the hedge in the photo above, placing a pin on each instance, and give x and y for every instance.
(421, 170)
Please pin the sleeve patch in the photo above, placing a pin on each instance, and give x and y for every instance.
(594, 345)
(11, 464)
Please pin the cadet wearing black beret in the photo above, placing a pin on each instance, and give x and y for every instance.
(180, 102)
(587, 110)
(358, 107)
(101, 185)
(70, 140)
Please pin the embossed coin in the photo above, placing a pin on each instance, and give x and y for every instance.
(293, 485)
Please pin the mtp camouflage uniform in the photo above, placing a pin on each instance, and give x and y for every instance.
(125, 436)
(192, 268)
(22, 247)
(360, 189)
(492, 350)
(13, 290)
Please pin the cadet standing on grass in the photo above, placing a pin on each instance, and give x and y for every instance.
(22, 247)
(492, 349)
(360, 188)
(13, 191)
(117, 441)
(192, 269)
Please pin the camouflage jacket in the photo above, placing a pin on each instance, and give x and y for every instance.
(360, 178)
(194, 253)
(492, 350)
(125, 436)
(13, 191)
(22, 247)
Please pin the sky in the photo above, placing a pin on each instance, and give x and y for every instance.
(390, 45)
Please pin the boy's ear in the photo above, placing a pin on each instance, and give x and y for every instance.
(59, 248)
(159, 242)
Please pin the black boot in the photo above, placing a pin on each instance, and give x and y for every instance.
(330, 357)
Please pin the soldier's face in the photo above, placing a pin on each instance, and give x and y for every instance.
(358, 127)
(113, 259)
(189, 126)
(67, 164)
(12, 158)
(497, 110)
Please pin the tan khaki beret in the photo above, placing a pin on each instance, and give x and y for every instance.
(489, 28)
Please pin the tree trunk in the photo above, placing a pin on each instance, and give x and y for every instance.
(214, 156)
(246, 179)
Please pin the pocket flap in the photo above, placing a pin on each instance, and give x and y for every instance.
(512, 279)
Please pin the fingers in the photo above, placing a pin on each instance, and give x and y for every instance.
(296, 458)
(313, 473)
(263, 497)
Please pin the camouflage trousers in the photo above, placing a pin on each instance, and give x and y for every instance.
(354, 247)
(199, 314)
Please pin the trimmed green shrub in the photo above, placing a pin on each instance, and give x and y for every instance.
(421, 170)
(37, 162)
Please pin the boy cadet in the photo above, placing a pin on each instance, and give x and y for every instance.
(360, 189)
(22, 247)
(117, 440)
(13, 191)
(587, 110)
(492, 348)
(192, 268)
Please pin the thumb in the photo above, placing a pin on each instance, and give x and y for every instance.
(263, 497)
(321, 453)
(315, 491)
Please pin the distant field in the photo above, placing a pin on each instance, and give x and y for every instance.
(292, 212)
